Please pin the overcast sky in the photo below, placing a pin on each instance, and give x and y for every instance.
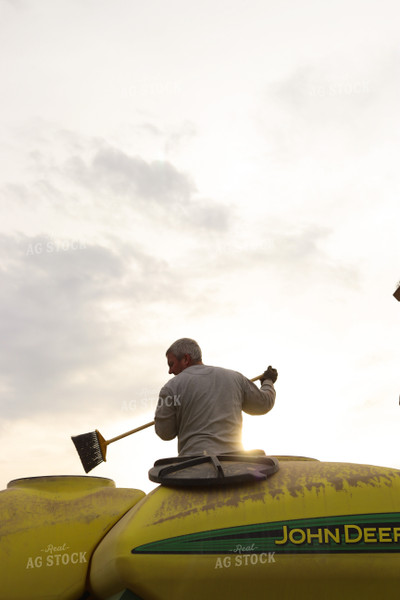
(222, 170)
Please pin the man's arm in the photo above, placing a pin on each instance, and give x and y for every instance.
(259, 401)
(166, 425)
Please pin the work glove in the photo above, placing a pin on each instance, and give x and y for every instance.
(270, 373)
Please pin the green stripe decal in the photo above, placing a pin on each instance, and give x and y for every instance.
(335, 534)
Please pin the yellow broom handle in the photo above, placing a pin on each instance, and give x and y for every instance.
(257, 378)
(119, 437)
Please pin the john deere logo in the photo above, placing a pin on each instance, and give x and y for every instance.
(345, 534)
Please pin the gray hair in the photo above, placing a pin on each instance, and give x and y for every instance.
(185, 346)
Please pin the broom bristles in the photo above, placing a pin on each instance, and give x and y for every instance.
(89, 450)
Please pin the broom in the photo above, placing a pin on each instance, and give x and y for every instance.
(92, 447)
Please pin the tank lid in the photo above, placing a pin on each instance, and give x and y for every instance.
(61, 483)
(224, 469)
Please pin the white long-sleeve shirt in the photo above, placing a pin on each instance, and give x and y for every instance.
(203, 407)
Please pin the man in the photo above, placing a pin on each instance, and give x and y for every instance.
(203, 405)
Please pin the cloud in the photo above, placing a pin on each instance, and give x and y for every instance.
(84, 178)
(156, 180)
(149, 185)
(112, 171)
(66, 313)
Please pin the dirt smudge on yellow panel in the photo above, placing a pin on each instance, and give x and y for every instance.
(199, 500)
(341, 477)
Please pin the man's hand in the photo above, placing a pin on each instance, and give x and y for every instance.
(270, 373)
